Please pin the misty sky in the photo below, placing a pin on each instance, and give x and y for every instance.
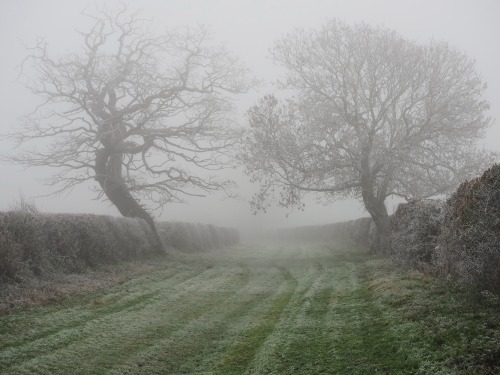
(248, 28)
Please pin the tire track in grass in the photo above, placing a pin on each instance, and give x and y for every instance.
(195, 347)
(342, 331)
(308, 276)
(61, 337)
(114, 342)
(198, 345)
(313, 267)
(67, 326)
(105, 340)
(364, 338)
(238, 357)
(311, 341)
(288, 310)
(79, 312)
(299, 339)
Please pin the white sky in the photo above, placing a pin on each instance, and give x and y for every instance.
(248, 28)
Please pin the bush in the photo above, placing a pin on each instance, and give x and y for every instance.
(415, 229)
(177, 235)
(469, 244)
(34, 245)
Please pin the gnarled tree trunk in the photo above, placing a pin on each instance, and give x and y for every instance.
(381, 241)
(108, 167)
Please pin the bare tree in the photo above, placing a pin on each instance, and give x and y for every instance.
(143, 115)
(372, 115)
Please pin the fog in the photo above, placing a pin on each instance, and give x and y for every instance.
(248, 28)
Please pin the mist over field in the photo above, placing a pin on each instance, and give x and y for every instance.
(248, 29)
(249, 187)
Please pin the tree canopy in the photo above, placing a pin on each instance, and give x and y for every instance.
(144, 115)
(370, 115)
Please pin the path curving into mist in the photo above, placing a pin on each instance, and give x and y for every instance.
(251, 309)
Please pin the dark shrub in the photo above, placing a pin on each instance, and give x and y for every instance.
(469, 245)
(34, 245)
(415, 229)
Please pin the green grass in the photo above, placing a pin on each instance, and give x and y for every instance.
(260, 310)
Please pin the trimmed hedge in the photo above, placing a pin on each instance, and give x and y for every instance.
(415, 229)
(39, 245)
(469, 244)
(355, 231)
(36, 245)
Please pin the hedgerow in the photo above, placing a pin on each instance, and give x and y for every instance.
(469, 245)
(415, 228)
(39, 245)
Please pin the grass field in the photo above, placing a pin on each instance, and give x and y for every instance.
(283, 309)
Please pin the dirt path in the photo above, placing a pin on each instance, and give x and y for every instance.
(250, 309)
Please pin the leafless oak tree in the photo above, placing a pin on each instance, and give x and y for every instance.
(145, 116)
(372, 115)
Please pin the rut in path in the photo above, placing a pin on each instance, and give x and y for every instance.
(281, 309)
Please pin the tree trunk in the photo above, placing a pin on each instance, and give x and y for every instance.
(380, 240)
(108, 174)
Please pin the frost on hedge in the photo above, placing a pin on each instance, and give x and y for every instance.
(34, 245)
(469, 244)
(415, 229)
(40, 245)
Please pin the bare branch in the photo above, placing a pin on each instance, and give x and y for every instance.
(160, 105)
(372, 115)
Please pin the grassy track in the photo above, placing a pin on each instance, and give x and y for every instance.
(259, 310)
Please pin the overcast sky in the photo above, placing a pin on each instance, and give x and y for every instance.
(248, 28)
